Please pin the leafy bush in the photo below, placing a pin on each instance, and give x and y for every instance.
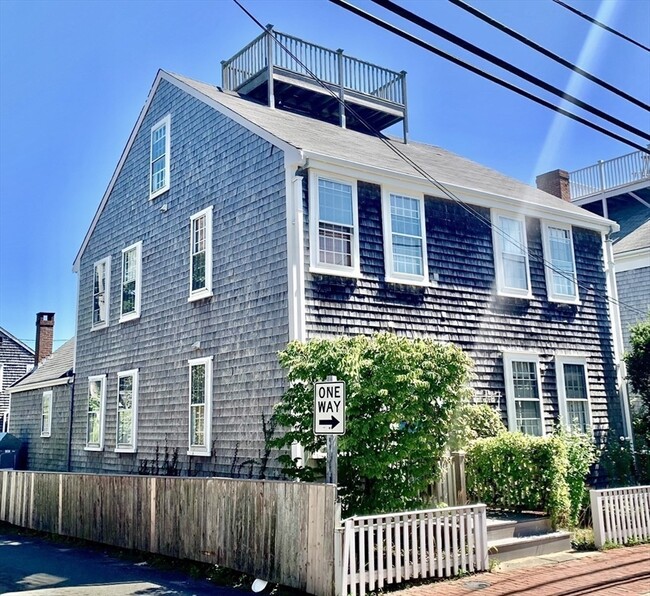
(521, 472)
(474, 421)
(401, 396)
(618, 461)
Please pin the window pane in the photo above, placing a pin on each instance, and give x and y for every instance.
(158, 142)
(513, 254)
(125, 393)
(198, 271)
(99, 294)
(93, 428)
(407, 255)
(574, 381)
(157, 174)
(406, 235)
(197, 425)
(335, 245)
(335, 202)
(198, 235)
(124, 428)
(562, 261)
(197, 389)
(524, 378)
(405, 215)
(578, 414)
(528, 417)
(512, 236)
(129, 273)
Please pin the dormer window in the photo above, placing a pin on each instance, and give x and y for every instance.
(159, 166)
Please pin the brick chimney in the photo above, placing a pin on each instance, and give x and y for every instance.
(44, 336)
(555, 183)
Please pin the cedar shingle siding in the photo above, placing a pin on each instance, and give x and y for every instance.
(633, 291)
(462, 306)
(214, 161)
(15, 361)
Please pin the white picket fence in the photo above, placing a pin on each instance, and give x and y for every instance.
(378, 550)
(620, 515)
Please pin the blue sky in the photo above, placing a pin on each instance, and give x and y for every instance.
(75, 74)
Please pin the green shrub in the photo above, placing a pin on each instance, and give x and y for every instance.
(401, 396)
(474, 421)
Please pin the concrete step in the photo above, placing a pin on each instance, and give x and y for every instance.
(517, 526)
(511, 548)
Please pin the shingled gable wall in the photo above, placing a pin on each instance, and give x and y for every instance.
(214, 161)
(462, 306)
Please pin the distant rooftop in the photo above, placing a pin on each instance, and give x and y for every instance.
(57, 366)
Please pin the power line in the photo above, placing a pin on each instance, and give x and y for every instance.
(389, 144)
(548, 53)
(510, 86)
(606, 27)
(470, 47)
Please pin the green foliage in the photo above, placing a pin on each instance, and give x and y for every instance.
(474, 421)
(582, 539)
(401, 396)
(618, 461)
(520, 472)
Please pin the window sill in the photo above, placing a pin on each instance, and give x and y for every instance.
(200, 295)
(125, 450)
(408, 281)
(90, 448)
(351, 273)
(129, 317)
(506, 294)
(99, 327)
(558, 300)
(199, 453)
(46, 435)
(159, 192)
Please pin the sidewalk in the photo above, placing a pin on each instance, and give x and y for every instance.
(617, 572)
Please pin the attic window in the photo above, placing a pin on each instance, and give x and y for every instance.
(159, 166)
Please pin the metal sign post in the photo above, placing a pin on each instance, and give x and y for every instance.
(329, 420)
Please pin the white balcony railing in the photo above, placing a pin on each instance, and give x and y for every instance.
(609, 175)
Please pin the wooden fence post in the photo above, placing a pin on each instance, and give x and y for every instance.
(597, 517)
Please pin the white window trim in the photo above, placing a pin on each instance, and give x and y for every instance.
(134, 411)
(391, 275)
(325, 268)
(107, 294)
(138, 282)
(552, 296)
(166, 121)
(508, 359)
(207, 291)
(497, 248)
(47, 395)
(560, 361)
(102, 413)
(193, 449)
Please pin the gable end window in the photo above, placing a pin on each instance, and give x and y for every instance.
(201, 255)
(101, 293)
(405, 252)
(523, 394)
(131, 282)
(510, 255)
(559, 263)
(127, 411)
(334, 235)
(46, 414)
(200, 406)
(159, 160)
(573, 392)
(95, 413)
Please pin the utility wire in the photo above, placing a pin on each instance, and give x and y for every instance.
(548, 53)
(390, 145)
(470, 47)
(607, 28)
(510, 86)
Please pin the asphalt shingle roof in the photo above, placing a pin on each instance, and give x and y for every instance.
(58, 365)
(634, 219)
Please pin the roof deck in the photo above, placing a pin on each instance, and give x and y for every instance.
(289, 73)
(627, 173)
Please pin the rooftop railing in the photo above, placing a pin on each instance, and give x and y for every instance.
(609, 175)
(297, 56)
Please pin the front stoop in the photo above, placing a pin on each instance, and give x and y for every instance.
(517, 536)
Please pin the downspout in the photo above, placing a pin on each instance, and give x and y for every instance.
(69, 465)
(617, 335)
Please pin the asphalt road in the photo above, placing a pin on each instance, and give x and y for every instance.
(40, 566)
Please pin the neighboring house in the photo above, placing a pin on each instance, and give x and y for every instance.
(618, 189)
(16, 359)
(40, 410)
(230, 228)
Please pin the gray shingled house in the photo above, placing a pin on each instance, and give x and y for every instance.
(16, 359)
(40, 410)
(241, 218)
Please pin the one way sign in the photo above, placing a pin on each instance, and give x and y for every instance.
(329, 408)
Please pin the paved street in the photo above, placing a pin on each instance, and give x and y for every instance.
(618, 572)
(34, 565)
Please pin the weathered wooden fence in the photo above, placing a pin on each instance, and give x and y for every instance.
(451, 489)
(280, 531)
(620, 515)
(380, 550)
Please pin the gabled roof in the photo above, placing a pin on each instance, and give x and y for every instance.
(16, 340)
(634, 219)
(309, 139)
(54, 370)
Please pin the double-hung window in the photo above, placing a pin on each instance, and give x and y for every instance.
(200, 406)
(127, 411)
(404, 240)
(201, 255)
(101, 293)
(46, 414)
(523, 393)
(95, 413)
(334, 228)
(559, 261)
(573, 392)
(159, 165)
(511, 254)
(131, 282)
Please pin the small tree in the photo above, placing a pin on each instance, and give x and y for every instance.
(401, 396)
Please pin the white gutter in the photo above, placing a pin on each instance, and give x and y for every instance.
(40, 385)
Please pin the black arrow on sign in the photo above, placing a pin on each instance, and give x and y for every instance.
(332, 422)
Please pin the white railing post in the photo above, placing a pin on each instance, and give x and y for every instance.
(597, 517)
(341, 88)
(269, 64)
